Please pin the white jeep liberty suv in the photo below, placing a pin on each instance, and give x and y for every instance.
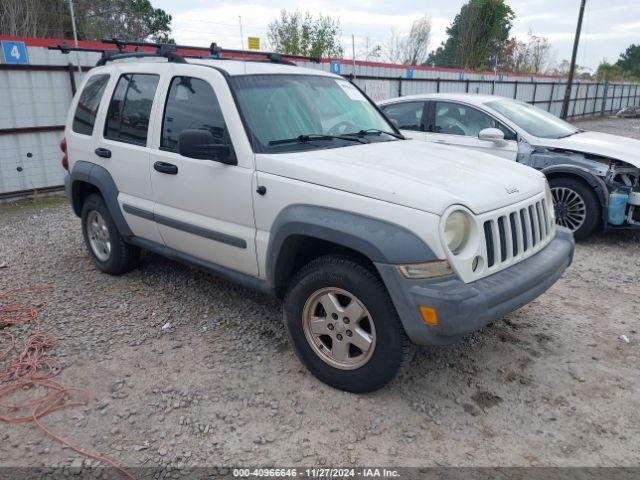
(291, 181)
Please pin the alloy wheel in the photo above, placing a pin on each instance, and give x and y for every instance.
(570, 208)
(98, 235)
(339, 328)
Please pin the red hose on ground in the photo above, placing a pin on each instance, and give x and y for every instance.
(29, 366)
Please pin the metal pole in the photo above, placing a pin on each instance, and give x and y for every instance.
(605, 90)
(572, 69)
(353, 53)
(575, 100)
(553, 85)
(75, 33)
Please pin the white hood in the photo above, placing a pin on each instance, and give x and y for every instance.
(412, 173)
(610, 146)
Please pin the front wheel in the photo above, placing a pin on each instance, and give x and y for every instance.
(576, 206)
(343, 325)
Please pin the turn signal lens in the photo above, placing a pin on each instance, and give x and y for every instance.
(429, 315)
(437, 268)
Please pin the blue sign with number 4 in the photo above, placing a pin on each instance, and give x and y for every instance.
(14, 52)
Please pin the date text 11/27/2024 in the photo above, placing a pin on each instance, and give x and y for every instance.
(317, 472)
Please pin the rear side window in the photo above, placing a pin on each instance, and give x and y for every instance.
(408, 115)
(88, 104)
(130, 108)
(191, 104)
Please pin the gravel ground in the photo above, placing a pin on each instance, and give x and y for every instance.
(551, 384)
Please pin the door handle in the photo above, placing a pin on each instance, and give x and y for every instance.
(103, 152)
(444, 142)
(164, 167)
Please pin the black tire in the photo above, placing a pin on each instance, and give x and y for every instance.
(392, 347)
(122, 257)
(593, 209)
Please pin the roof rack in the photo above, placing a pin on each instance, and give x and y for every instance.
(169, 51)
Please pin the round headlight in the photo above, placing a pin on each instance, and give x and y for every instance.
(456, 230)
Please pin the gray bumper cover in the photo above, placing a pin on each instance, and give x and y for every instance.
(465, 307)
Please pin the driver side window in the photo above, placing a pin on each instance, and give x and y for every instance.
(407, 115)
(457, 119)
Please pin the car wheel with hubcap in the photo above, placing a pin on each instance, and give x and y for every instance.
(108, 250)
(343, 325)
(576, 206)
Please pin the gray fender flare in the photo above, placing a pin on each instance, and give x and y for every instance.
(100, 178)
(378, 240)
(602, 192)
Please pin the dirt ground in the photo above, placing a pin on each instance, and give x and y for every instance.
(552, 384)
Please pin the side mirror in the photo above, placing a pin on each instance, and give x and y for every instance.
(202, 145)
(491, 135)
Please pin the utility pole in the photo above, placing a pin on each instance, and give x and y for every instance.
(75, 34)
(572, 68)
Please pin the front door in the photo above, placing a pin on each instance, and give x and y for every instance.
(458, 124)
(203, 208)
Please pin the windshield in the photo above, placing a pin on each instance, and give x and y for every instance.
(533, 120)
(305, 112)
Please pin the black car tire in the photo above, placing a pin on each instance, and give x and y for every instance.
(391, 348)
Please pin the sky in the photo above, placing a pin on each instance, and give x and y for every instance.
(609, 25)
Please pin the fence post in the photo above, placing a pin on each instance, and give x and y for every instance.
(467, 87)
(493, 87)
(621, 97)
(575, 99)
(515, 91)
(438, 85)
(535, 89)
(595, 99)
(605, 91)
(553, 86)
(72, 79)
(635, 97)
(399, 86)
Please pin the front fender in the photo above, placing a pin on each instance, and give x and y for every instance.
(379, 240)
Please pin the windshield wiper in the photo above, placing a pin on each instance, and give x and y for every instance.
(376, 131)
(313, 137)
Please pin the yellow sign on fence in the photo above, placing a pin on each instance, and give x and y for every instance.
(254, 43)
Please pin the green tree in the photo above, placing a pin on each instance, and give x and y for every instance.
(478, 34)
(95, 19)
(609, 71)
(629, 61)
(126, 19)
(297, 34)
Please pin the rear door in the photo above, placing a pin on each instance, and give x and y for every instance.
(409, 117)
(203, 208)
(122, 144)
(458, 124)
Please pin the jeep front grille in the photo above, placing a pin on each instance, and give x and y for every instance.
(517, 234)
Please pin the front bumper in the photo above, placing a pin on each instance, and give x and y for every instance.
(465, 307)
